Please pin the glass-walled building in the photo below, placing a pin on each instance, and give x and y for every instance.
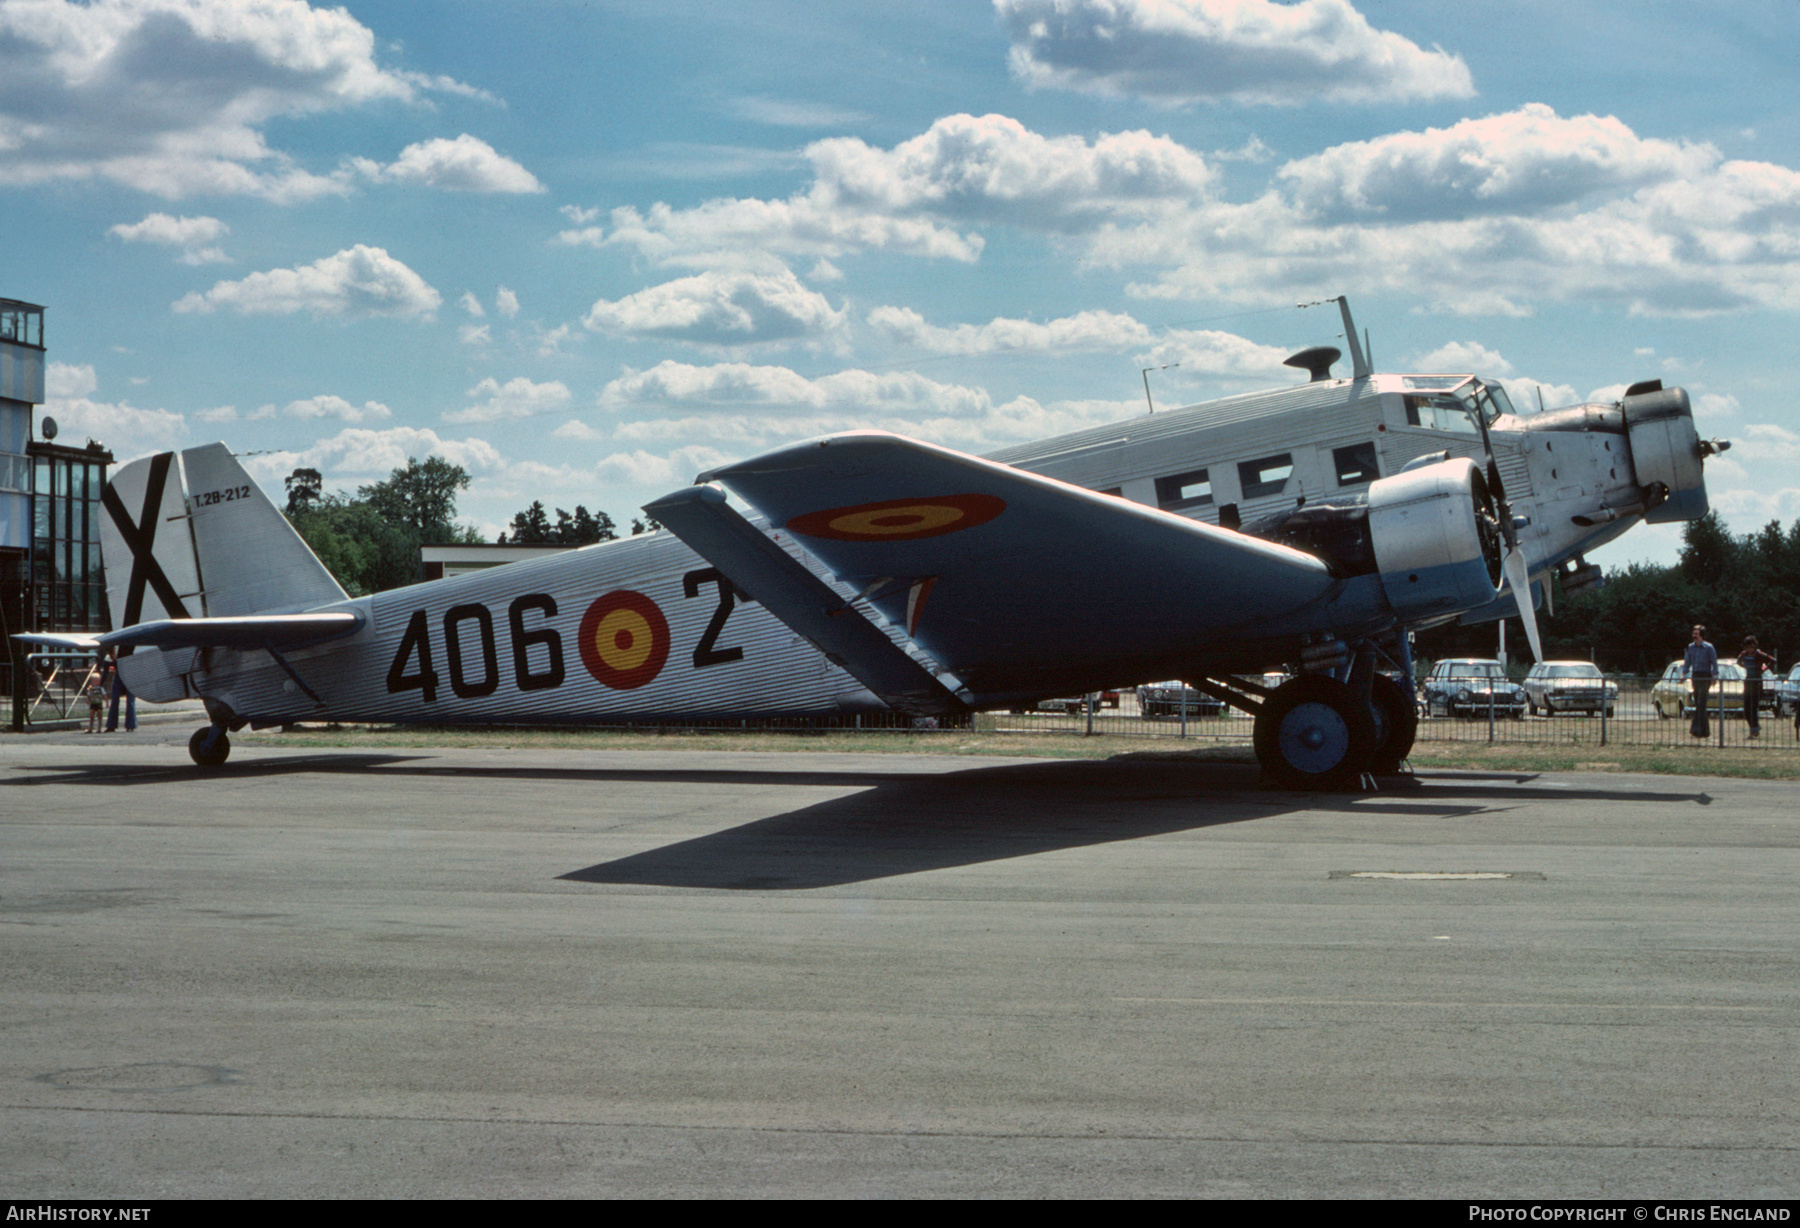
(68, 585)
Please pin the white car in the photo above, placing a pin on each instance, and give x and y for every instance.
(1569, 686)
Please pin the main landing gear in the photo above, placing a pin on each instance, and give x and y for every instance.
(1317, 732)
(210, 747)
(1311, 734)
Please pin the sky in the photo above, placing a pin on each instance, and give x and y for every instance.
(586, 250)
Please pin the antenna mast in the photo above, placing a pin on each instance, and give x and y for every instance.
(1359, 362)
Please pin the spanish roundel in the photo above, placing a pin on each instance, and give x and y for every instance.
(899, 520)
(624, 640)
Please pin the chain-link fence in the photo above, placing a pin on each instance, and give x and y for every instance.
(1636, 711)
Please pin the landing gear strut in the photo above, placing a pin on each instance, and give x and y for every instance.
(1313, 733)
(210, 747)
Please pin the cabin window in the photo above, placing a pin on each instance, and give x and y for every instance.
(1266, 476)
(1184, 490)
(1355, 464)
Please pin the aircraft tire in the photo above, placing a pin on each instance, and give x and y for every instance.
(197, 750)
(1311, 734)
(1396, 725)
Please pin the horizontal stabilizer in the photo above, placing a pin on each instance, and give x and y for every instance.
(70, 641)
(262, 631)
(256, 631)
(701, 518)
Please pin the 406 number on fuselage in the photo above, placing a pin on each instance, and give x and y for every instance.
(623, 642)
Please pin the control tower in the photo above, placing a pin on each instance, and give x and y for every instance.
(21, 391)
(51, 577)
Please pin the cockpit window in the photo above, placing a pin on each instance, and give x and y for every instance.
(1440, 412)
(1496, 398)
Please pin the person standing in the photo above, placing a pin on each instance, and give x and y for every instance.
(1701, 664)
(120, 690)
(95, 686)
(1753, 659)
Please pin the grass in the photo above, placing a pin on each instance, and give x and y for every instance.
(1758, 763)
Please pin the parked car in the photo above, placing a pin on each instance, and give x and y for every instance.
(1158, 699)
(1672, 696)
(1075, 705)
(1784, 693)
(1569, 686)
(1470, 686)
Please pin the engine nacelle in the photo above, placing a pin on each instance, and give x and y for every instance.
(1436, 540)
(1665, 454)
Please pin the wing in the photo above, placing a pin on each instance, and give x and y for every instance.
(1013, 581)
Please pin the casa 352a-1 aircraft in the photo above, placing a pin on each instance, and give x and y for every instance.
(1309, 527)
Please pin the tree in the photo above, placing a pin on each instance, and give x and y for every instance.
(532, 527)
(1708, 551)
(422, 496)
(366, 552)
(371, 543)
(304, 487)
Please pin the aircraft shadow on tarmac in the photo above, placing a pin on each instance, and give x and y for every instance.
(914, 823)
(911, 822)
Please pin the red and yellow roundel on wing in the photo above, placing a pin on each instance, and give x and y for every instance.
(899, 520)
(624, 640)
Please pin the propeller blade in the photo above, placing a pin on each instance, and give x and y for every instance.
(1518, 578)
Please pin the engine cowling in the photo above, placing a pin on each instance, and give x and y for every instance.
(1436, 539)
(1665, 454)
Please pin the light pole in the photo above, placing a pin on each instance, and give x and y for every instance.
(1145, 372)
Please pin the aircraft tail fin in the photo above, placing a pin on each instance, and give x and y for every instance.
(219, 549)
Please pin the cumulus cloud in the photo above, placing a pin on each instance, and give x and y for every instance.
(1530, 159)
(746, 407)
(171, 96)
(358, 453)
(190, 234)
(127, 430)
(465, 164)
(1709, 236)
(1198, 351)
(1246, 51)
(642, 468)
(917, 197)
(1710, 405)
(720, 309)
(506, 302)
(358, 281)
(517, 398)
(1459, 356)
(328, 406)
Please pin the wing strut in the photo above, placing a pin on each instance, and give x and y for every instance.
(700, 517)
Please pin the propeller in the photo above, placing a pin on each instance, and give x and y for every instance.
(1518, 573)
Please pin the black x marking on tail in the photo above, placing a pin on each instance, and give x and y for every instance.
(140, 537)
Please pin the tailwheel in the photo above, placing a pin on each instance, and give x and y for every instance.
(210, 747)
(1396, 724)
(1312, 734)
